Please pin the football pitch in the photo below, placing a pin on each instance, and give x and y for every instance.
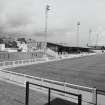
(86, 71)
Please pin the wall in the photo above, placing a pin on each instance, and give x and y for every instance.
(5, 56)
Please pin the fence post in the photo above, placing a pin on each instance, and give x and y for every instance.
(10, 76)
(27, 94)
(78, 90)
(64, 87)
(4, 64)
(80, 99)
(42, 82)
(94, 97)
(13, 63)
(34, 59)
(49, 93)
(25, 79)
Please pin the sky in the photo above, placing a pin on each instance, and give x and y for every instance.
(28, 17)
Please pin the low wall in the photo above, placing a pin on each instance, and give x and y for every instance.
(5, 56)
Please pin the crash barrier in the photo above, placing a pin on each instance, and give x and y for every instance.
(50, 91)
(89, 95)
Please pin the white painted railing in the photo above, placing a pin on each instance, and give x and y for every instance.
(52, 53)
(88, 94)
(9, 64)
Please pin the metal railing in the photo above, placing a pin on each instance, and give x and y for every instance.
(88, 94)
(9, 64)
(100, 96)
(49, 93)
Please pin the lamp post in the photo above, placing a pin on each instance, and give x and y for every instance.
(97, 40)
(89, 42)
(78, 24)
(46, 26)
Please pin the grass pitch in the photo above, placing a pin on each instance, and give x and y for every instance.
(86, 71)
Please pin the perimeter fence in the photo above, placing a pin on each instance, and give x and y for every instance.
(15, 63)
(9, 64)
(50, 91)
(90, 96)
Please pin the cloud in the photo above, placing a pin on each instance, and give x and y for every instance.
(28, 16)
(16, 15)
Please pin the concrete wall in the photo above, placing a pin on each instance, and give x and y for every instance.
(5, 56)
